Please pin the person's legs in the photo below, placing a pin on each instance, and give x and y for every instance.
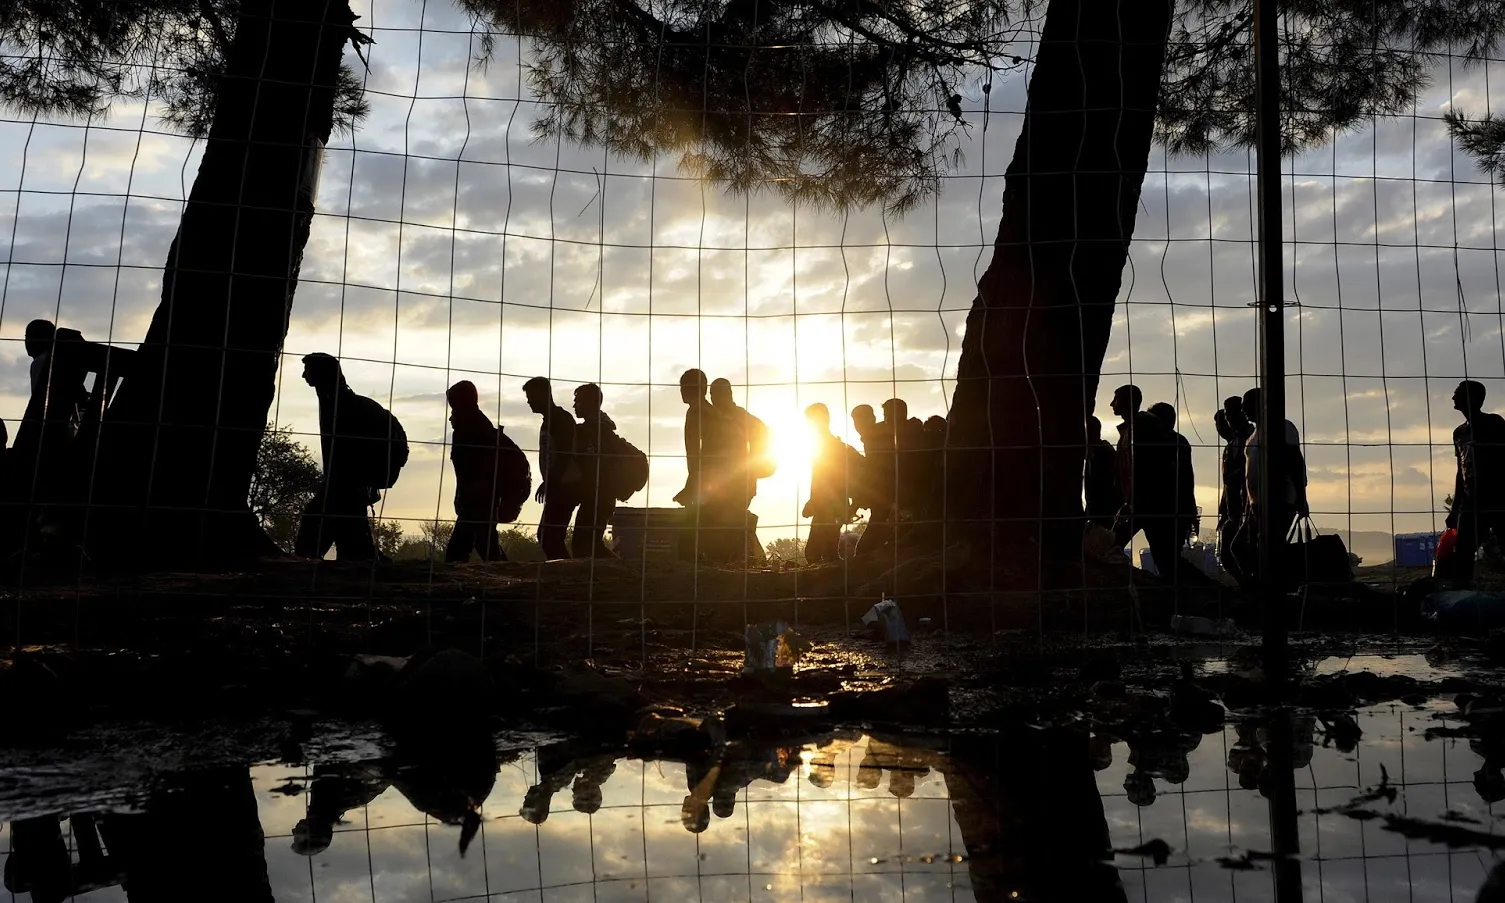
(489, 545)
(1165, 537)
(1461, 565)
(461, 541)
(590, 525)
(314, 536)
(352, 527)
(825, 535)
(558, 505)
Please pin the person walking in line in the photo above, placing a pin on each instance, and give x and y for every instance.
(705, 467)
(1479, 485)
(558, 472)
(1147, 463)
(1099, 480)
(364, 448)
(831, 479)
(598, 469)
(748, 459)
(1235, 428)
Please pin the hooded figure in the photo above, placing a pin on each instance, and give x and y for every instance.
(354, 459)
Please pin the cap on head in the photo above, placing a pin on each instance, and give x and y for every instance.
(463, 394)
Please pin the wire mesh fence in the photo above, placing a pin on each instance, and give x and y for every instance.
(635, 333)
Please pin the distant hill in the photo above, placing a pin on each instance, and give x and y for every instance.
(1373, 546)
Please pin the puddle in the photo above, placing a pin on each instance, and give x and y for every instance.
(1391, 802)
(1211, 799)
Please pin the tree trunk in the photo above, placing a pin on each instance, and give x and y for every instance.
(1038, 330)
(181, 435)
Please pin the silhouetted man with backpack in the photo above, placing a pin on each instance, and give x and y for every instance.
(1479, 487)
(364, 449)
(749, 459)
(492, 478)
(558, 472)
(599, 464)
(832, 476)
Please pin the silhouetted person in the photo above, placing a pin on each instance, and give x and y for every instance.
(745, 438)
(1293, 497)
(1186, 481)
(474, 456)
(881, 449)
(39, 863)
(1099, 479)
(1147, 461)
(355, 458)
(1479, 487)
(865, 422)
(598, 474)
(559, 473)
(336, 790)
(705, 465)
(831, 472)
(933, 464)
(1235, 428)
(41, 462)
(586, 794)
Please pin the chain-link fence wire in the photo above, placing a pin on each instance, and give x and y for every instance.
(495, 214)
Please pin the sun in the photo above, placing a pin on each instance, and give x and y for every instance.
(793, 446)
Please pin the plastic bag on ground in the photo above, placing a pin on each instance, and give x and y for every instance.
(887, 618)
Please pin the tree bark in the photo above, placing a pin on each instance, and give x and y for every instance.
(1038, 329)
(181, 436)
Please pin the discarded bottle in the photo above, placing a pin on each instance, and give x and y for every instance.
(1196, 626)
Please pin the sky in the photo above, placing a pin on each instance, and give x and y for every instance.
(451, 243)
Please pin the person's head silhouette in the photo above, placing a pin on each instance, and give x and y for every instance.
(1126, 401)
(539, 393)
(692, 386)
(463, 395)
(323, 372)
(1468, 398)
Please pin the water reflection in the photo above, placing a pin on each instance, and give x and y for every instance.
(1376, 805)
(1307, 807)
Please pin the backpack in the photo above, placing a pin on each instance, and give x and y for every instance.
(388, 442)
(629, 466)
(760, 458)
(397, 450)
(514, 478)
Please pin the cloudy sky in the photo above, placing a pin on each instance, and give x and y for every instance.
(451, 244)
